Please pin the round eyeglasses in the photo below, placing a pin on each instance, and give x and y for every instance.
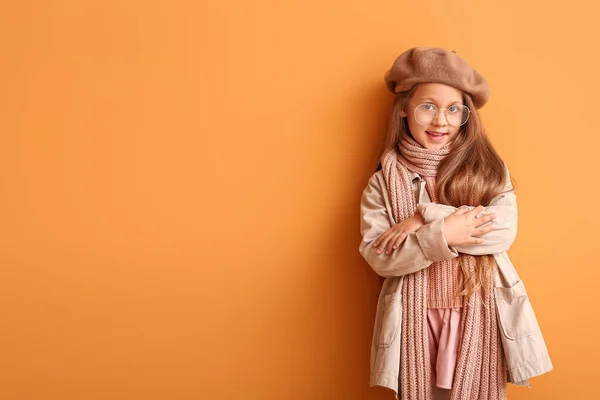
(456, 114)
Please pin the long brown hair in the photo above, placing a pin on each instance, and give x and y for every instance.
(471, 174)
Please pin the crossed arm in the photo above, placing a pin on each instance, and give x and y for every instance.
(425, 239)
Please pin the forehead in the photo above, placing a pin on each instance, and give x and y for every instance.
(438, 92)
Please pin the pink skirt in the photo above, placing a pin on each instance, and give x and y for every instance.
(444, 337)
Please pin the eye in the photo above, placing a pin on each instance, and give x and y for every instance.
(454, 109)
(428, 107)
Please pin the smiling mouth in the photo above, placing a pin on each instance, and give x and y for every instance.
(436, 135)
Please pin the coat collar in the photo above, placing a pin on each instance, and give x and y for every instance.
(414, 176)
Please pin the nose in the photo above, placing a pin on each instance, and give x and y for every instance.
(441, 119)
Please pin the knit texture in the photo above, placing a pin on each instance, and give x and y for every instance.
(444, 276)
(480, 372)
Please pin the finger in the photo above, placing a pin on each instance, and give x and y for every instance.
(390, 245)
(484, 230)
(475, 240)
(401, 238)
(474, 212)
(478, 222)
(487, 217)
(381, 237)
(461, 211)
(382, 246)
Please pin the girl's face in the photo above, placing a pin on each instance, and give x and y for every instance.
(437, 132)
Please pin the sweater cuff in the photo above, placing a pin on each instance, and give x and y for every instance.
(432, 241)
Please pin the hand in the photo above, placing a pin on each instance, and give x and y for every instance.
(393, 237)
(463, 226)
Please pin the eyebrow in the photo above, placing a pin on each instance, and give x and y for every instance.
(429, 99)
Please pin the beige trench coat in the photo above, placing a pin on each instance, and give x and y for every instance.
(524, 347)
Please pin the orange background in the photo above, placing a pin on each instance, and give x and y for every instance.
(181, 183)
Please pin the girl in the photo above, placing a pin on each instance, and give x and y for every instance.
(453, 318)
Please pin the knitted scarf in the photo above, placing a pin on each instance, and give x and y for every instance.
(480, 372)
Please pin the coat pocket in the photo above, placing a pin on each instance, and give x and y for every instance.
(390, 320)
(515, 313)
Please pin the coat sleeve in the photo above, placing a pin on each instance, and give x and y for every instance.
(496, 241)
(418, 251)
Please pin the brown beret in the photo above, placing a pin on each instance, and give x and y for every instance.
(423, 64)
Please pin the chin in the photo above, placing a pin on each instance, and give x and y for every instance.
(437, 146)
(434, 146)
